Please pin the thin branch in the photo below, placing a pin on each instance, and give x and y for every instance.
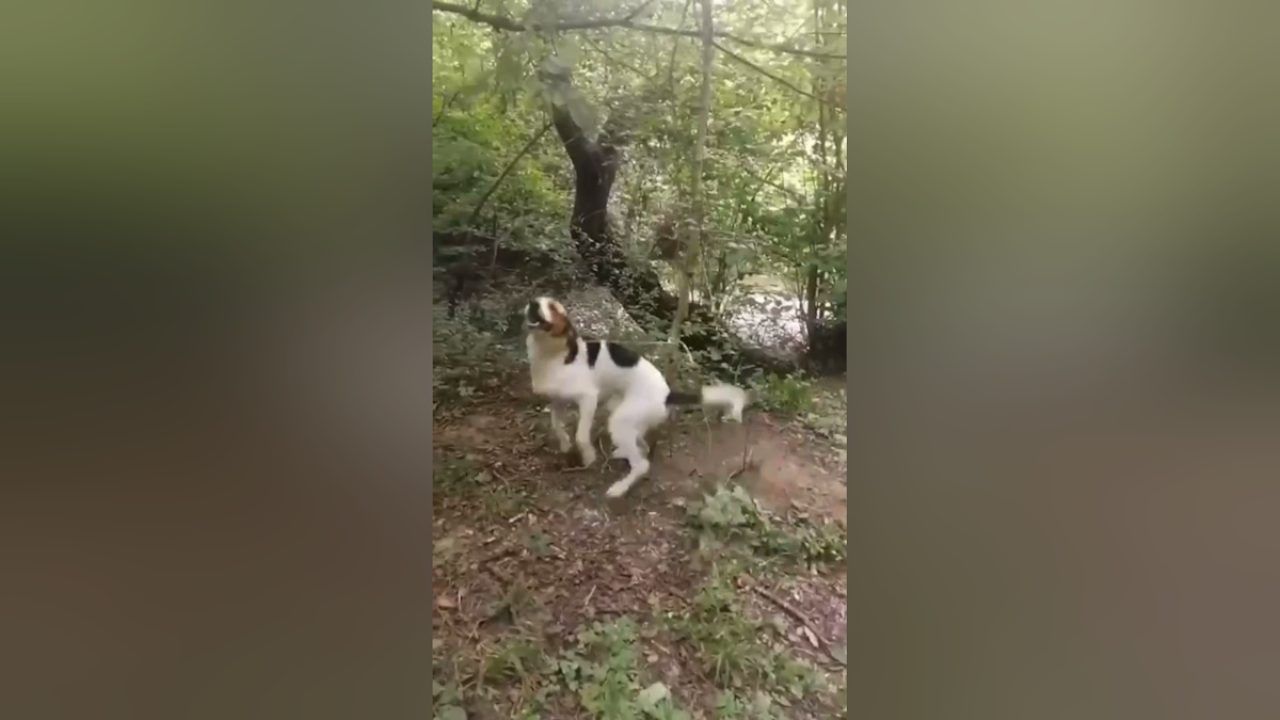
(445, 106)
(675, 45)
(793, 194)
(740, 40)
(506, 171)
(793, 612)
(499, 22)
(625, 66)
(639, 9)
(775, 78)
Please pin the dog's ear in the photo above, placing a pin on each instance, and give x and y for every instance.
(559, 319)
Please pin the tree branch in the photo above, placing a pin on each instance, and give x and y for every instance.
(645, 27)
(773, 77)
(639, 9)
(675, 45)
(445, 106)
(625, 66)
(506, 171)
(794, 195)
(499, 22)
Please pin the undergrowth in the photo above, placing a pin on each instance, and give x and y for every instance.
(730, 516)
(789, 394)
(462, 478)
(465, 358)
(601, 669)
(752, 673)
(599, 674)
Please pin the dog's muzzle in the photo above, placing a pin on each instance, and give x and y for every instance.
(533, 318)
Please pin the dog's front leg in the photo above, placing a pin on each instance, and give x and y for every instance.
(558, 408)
(586, 416)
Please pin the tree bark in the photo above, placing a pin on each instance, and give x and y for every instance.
(637, 287)
(692, 249)
(595, 167)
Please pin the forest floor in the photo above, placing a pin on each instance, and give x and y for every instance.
(714, 589)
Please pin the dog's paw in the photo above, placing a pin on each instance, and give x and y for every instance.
(588, 456)
(617, 489)
(618, 454)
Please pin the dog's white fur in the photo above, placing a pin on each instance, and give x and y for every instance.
(635, 396)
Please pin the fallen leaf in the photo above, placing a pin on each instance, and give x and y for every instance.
(840, 654)
(649, 698)
(809, 634)
(444, 602)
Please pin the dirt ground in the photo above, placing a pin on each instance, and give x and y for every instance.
(526, 544)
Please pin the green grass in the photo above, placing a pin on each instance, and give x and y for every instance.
(735, 654)
(602, 670)
(600, 674)
(788, 394)
(731, 517)
(463, 477)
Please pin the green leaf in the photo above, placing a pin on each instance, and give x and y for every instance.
(568, 53)
(510, 68)
(472, 67)
(652, 695)
(451, 712)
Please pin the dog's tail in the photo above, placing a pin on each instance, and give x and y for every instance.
(725, 397)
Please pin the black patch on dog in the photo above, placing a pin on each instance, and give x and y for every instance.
(593, 351)
(683, 398)
(573, 351)
(621, 356)
(532, 314)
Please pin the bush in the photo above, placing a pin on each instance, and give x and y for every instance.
(464, 358)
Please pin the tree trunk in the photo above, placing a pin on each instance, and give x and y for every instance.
(691, 249)
(811, 302)
(637, 287)
(595, 166)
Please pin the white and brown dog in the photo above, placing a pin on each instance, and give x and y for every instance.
(569, 370)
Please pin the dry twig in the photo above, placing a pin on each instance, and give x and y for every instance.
(793, 612)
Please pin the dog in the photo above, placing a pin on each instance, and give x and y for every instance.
(567, 369)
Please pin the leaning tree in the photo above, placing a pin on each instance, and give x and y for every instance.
(595, 158)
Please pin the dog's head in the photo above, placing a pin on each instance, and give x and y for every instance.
(546, 316)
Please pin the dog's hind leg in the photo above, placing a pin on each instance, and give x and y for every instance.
(617, 431)
(626, 435)
(639, 467)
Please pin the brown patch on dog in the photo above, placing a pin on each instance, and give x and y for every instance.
(559, 320)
